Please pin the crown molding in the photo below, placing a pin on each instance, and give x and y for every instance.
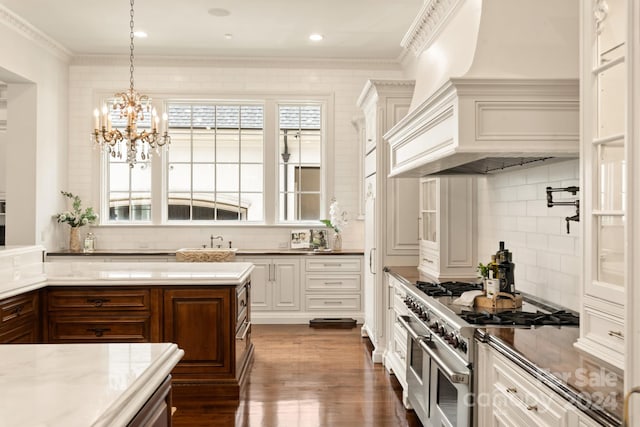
(431, 20)
(25, 29)
(232, 62)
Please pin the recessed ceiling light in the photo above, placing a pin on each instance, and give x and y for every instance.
(140, 34)
(316, 37)
(216, 11)
(228, 36)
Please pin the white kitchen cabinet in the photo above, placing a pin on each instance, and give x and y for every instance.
(447, 227)
(333, 286)
(275, 284)
(606, 168)
(509, 396)
(390, 204)
(395, 360)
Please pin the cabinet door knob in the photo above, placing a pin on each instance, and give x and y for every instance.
(98, 331)
(98, 302)
(18, 310)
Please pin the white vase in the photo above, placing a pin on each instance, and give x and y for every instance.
(336, 243)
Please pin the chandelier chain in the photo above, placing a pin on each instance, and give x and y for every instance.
(131, 35)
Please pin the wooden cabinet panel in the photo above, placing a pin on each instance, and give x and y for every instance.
(200, 322)
(93, 299)
(14, 308)
(21, 332)
(101, 329)
(20, 319)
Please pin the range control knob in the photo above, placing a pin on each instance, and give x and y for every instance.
(435, 326)
(441, 331)
(455, 342)
(462, 346)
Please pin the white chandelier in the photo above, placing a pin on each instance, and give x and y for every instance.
(131, 106)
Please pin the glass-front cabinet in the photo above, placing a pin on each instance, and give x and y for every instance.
(605, 169)
(447, 230)
(428, 211)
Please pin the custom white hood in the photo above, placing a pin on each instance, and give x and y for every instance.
(496, 86)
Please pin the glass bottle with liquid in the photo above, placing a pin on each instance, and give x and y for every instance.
(90, 242)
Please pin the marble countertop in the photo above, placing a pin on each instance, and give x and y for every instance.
(81, 385)
(146, 273)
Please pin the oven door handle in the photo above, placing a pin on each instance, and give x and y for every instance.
(456, 376)
(405, 323)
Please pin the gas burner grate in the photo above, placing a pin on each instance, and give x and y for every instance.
(521, 318)
(453, 289)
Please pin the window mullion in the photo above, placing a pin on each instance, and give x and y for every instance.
(270, 158)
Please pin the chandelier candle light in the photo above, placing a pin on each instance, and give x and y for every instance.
(131, 106)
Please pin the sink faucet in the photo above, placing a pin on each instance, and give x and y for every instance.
(212, 238)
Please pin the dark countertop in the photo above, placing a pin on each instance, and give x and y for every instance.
(548, 353)
(172, 252)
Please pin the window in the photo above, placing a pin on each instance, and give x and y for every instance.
(300, 159)
(258, 161)
(215, 163)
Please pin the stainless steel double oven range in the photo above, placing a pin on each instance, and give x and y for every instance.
(441, 350)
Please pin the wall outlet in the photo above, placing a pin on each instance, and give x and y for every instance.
(283, 245)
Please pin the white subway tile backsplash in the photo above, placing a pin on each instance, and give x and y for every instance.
(537, 174)
(536, 208)
(537, 241)
(547, 259)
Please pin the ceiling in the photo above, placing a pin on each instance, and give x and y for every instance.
(352, 29)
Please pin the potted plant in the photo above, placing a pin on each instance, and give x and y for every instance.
(76, 218)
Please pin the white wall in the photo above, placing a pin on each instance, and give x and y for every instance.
(91, 78)
(513, 208)
(36, 71)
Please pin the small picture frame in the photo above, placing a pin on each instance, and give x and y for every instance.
(301, 239)
(319, 238)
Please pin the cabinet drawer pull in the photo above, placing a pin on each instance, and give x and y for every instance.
(427, 260)
(333, 302)
(616, 334)
(332, 264)
(18, 310)
(243, 335)
(243, 303)
(98, 302)
(514, 391)
(99, 331)
(333, 283)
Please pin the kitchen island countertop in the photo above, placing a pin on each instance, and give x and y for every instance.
(146, 273)
(80, 384)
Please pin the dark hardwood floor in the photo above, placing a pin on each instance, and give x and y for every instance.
(307, 377)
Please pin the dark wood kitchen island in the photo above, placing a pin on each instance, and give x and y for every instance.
(204, 308)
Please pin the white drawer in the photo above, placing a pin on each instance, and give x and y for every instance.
(603, 328)
(326, 264)
(400, 335)
(333, 302)
(333, 283)
(515, 391)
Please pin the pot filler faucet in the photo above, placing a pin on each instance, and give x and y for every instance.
(212, 238)
(551, 203)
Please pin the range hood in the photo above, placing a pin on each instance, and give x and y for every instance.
(496, 88)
